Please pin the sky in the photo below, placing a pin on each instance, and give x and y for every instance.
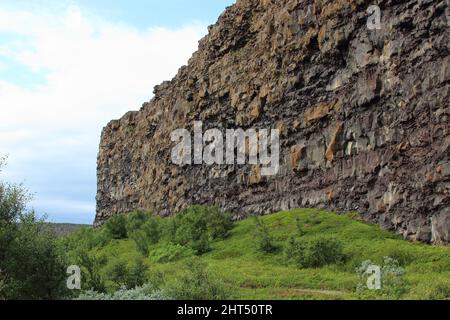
(68, 67)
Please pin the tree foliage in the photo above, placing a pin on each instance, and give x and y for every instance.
(264, 240)
(31, 265)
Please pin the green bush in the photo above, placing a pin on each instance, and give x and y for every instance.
(116, 227)
(202, 245)
(118, 273)
(314, 253)
(140, 293)
(403, 257)
(197, 283)
(157, 278)
(152, 230)
(128, 277)
(137, 274)
(136, 220)
(142, 242)
(147, 234)
(90, 266)
(218, 223)
(194, 227)
(264, 240)
(31, 264)
(167, 228)
(86, 238)
(393, 283)
(441, 291)
(192, 231)
(170, 253)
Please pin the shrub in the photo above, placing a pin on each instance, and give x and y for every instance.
(441, 291)
(31, 264)
(192, 231)
(119, 273)
(141, 240)
(263, 238)
(144, 230)
(93, 295)
(137, 274)
(393, 283)
(128, 277)
(218, 223)
(34, 267)
(86, 238)
(2, 284)
(202, 245)
(90, 266)
(116, 227)
(95, 238)
(145, 292)
(168, 229)
(151, 230)
(314, 253)
(136, 220)
(197, 283)
(403, 257)
(194, 227)
(170, 253)
(156, 278)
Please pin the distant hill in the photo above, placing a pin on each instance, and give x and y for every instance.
(62, 229)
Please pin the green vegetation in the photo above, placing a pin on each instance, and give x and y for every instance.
(146, 292)
(90, 266)
(392, 276)
(31, 265)
(128, 277)
(197, 284)
(197, 226)
(116, 227)
(313, 255)
(158, 241)
(201, 254)
(263, 238)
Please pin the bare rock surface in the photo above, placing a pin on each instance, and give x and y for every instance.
(363, 114)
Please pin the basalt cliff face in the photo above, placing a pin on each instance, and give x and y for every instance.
(363, 116)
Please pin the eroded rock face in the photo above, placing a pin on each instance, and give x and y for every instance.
(363, 114)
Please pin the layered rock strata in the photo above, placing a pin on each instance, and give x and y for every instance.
(363, 115)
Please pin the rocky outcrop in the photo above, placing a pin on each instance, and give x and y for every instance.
(363, 116)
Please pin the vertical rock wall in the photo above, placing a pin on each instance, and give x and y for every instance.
(363, 116)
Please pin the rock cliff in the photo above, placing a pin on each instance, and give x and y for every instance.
(363, 115)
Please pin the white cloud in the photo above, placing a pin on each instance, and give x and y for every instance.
(95, 71)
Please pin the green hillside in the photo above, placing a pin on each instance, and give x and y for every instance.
(248, 272)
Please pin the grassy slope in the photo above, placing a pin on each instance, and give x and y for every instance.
(254, 275)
